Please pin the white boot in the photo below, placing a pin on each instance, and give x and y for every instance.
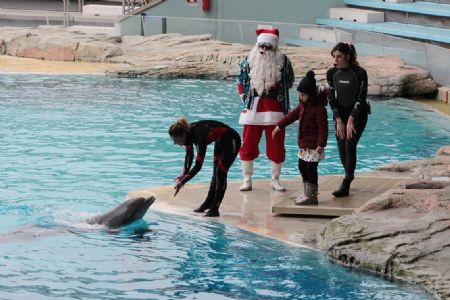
(247, 172)
(275, 183)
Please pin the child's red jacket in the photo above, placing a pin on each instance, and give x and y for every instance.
(312, 121)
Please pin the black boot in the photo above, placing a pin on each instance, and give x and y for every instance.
(205, 205)
(344, 188)
(221, 187)
(213, 212)
(214, 206)
(210, 197)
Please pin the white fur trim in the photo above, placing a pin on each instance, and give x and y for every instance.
(260, 118)
(267, 38)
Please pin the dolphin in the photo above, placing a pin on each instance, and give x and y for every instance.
(125, 213)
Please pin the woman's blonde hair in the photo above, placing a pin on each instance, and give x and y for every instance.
(179, 127)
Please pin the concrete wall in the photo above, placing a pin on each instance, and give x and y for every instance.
(290, 11)
(270, 11)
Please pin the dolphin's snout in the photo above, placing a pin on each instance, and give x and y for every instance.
(125, 213)
(149, 201)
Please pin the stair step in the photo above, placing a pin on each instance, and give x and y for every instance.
(102, 10)
(398, 1)
(325, 35)
(356, 15)
(419, 7)
(421, 32)
(308, 43)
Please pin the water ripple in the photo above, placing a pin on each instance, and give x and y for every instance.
(73, 146)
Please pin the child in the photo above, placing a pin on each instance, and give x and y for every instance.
(200, 134)
(312, 134)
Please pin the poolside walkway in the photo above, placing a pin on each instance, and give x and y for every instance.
(274, 214)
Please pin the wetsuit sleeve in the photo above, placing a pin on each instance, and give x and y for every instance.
(322, 123)
(332, 94)
(188, 159)
(201, 152)
(361, 101)
(290, 118)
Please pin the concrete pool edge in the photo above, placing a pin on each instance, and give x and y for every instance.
(252, 211)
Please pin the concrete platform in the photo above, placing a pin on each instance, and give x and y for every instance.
(363, 189)
(271, 213)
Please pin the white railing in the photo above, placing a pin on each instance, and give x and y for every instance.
(66, 5)
(131, 7)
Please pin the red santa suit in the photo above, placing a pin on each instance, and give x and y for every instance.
(263, 83)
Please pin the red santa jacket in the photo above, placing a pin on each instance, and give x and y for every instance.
(312, 121)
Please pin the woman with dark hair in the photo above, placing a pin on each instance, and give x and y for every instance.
(347, 98)
(226, 148)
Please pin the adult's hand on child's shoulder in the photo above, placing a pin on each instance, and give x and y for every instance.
(319, 149)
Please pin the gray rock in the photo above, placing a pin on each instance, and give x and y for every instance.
(403, 233)
(195, 56)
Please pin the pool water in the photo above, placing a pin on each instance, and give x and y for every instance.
(74, 146)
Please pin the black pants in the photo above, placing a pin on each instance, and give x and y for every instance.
(225, 153)
(308, 170)
(347, 147)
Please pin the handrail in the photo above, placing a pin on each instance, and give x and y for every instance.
(66, 6)
(131, 7)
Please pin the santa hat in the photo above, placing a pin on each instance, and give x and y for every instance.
(268, 36)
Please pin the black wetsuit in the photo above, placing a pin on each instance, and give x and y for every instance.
(347, 97)
(226, 148)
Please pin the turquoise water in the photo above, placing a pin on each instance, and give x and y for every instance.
(73, 146)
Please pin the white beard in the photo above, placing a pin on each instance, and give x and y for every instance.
(265, 69)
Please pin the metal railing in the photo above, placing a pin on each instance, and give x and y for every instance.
(66, 5)
(132, 7)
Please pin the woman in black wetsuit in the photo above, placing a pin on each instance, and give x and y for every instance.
(226, 148)
(347, 98)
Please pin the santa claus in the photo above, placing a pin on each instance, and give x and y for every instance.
(263, 83)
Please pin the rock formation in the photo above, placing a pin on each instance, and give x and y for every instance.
(403, 233)
(199, 56)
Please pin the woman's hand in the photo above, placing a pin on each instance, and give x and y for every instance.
(275, 131)
(340, 129)
(351, 127)
(179, 183)
(178, 186)
(180, 177)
